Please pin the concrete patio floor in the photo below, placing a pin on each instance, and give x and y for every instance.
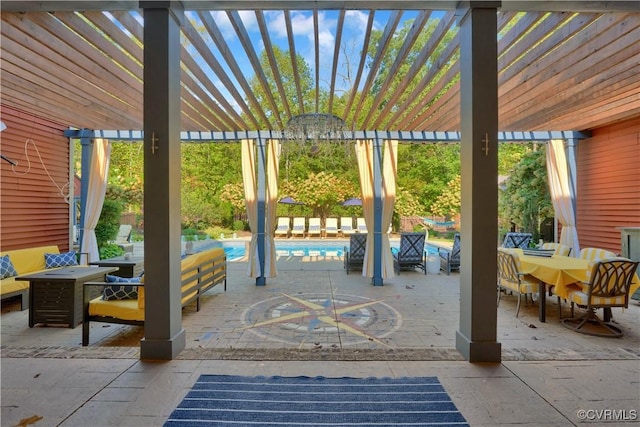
(404, 328)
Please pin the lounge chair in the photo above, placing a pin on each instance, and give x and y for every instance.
(314, 227)
(283, 226)
(517, 240)
(123, 239)
(361, 225)
(354, 253)
(299, 226)
(346, 226)
(411, 253)
(450, 259)
(331, 227)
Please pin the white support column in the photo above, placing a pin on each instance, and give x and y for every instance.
(164, 336)
(476, 338)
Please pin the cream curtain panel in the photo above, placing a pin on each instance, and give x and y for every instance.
(364, 155)
(558, 176)
(98, 174)
(250, 183)
(273, 168)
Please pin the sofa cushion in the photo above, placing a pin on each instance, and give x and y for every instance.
(6, 267)
(60, 260)
(30, 260)
(120, 292)
(120, 309)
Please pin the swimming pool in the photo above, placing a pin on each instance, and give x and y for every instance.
(236, 249)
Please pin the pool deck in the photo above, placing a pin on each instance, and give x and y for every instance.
(549, 376)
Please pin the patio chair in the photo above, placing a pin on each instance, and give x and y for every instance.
(299, 226)
(608, 286)
(354, 253)
(594, 254)
(361, 225)
(517, 240)
(283, 227)
(314, 227)
(123, 238)
(411, 253)
(331, 227)
(450, 259)
(559, 248)
(511, 278)
(346, 226)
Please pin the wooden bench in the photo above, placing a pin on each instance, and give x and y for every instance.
(200, 272)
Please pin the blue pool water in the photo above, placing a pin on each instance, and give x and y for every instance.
(236, 249)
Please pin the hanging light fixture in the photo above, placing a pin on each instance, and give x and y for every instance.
(312, 128)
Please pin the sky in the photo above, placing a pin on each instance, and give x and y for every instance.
(302, 24)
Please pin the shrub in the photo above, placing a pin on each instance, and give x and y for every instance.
(109, 222)
(110, 250)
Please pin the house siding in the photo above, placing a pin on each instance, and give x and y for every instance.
(33, 195)
(608, 184)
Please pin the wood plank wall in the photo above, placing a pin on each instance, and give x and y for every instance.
(33, 210)
(608, 173)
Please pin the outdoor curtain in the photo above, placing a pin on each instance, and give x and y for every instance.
(364, 155)
(273, 168)
(558, 176)
(98, 173)
(250, 183)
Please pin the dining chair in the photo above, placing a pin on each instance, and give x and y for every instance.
(607, 286)
(593, 254)
(511, 277)
(559, 248)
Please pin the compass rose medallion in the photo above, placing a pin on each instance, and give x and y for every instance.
(322, 319)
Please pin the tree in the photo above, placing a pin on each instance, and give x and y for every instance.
(525, 201)
(321, 192)
(448, 202)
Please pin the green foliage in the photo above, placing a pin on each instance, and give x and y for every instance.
(320, 192)
(110, 250)
(233, 193)
(448, 202)
(407, 204)
(109, 222)
(526, 201)
(239, 225)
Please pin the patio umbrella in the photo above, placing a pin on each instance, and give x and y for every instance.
(289, 201)
(352, 202)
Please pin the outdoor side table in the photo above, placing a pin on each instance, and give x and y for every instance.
(131, 267)
(55, 297)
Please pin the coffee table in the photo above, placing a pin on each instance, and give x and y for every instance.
(127, 267)
(55, 297)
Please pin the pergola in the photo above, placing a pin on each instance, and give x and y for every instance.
(510, 66)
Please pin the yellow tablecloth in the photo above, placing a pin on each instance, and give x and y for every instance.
(560, 271)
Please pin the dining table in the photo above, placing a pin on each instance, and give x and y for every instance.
(560, 272)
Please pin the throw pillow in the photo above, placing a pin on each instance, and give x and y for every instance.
(6, 267)
(60, 260)
(120, 292)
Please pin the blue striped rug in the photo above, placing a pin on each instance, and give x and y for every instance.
(220, 400)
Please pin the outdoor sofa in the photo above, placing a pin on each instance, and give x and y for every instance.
(200, 272)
